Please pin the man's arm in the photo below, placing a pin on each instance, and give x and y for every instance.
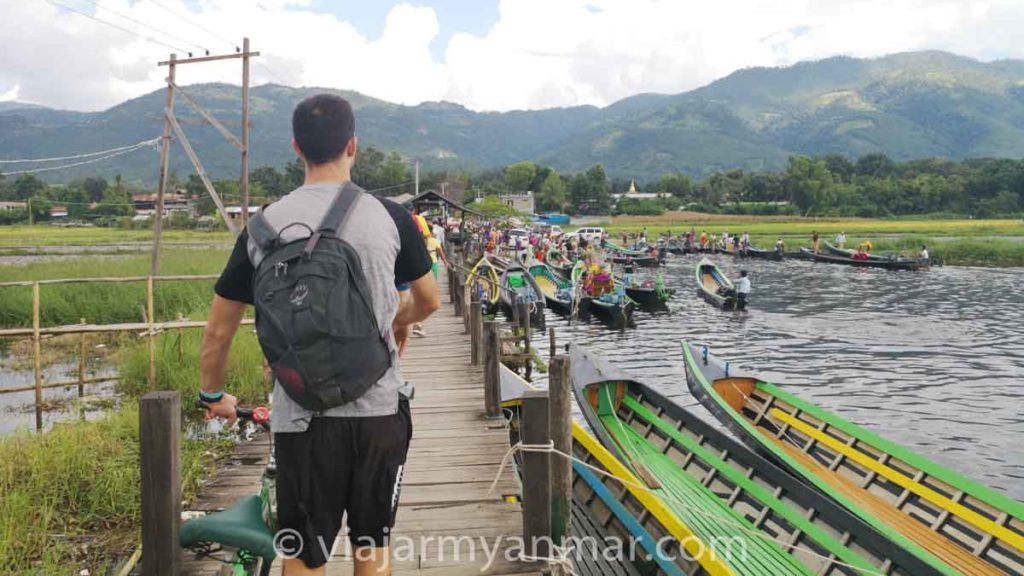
(225, 317)
(424, 300)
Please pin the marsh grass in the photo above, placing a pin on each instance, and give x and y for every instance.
(109, 303)
(47, 235)
(69, 499)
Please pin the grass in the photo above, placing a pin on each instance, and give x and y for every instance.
(69, 499)
(109, 303)
(47, 235)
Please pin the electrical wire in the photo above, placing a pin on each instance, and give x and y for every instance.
(143, 24)
(406, 183)
(72, 165)
(197, 25)
(77, 156)
(121, 28)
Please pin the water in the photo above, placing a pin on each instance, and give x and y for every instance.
(932, 360)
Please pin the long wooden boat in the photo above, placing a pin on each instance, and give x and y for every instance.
(722, 488)
(715, 288)
(952, 523)
(752, 252)
(649, 293)
(798, 255)
(558, 292)
(516, 280)
(848, 253)
(486, 281)
(869, 263)
(642, 261)
(614, 309)
(605, 510)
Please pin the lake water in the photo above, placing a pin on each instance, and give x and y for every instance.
(933, 360)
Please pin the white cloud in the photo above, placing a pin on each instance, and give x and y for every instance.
(539, 53)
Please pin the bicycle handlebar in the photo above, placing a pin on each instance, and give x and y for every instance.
(259, 415)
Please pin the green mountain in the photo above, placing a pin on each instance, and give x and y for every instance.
(907, 106)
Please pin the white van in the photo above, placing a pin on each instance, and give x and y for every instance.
(592, 234)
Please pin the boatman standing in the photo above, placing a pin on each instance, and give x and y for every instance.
(742, 289)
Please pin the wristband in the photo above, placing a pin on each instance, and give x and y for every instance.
(210, 397)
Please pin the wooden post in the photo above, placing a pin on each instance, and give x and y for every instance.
(551, 342)
(160, 481)
(151, 320)
(181, 336)
(37, 354)
(165, 157)
(492, 368)
(513, 300)
(459, 281)
(244, 185)
(31, 218)
(560, 427)
(524, 327)
(81, 363)
(536, 475)
(467, 308)
(475, 316)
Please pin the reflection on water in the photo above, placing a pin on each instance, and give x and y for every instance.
(933, 360)
(17, 409)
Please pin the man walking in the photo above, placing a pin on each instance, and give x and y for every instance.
(343, 456)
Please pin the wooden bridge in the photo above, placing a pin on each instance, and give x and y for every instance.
(446, 510)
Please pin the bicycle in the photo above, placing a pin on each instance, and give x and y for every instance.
(241, 536)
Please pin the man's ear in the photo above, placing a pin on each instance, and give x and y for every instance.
(351, 147)
(298, 151)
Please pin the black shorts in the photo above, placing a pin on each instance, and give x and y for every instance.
(339, 466)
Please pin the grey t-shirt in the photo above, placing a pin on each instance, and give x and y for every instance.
(392, 251)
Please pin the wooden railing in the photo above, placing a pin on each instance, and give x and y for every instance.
(150, 328)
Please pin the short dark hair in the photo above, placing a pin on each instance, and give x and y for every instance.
(322, 126)
(743, 272)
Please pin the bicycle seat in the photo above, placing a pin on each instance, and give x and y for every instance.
(240, 526)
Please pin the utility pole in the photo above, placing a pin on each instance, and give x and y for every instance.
(417, 178)
(245, 132)
(165, 157)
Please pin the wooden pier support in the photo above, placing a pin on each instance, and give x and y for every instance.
(492, 368)
(37, 353)
(524, 329)
(160, 481)
(536, 476)
(560, 427)
(476, 315)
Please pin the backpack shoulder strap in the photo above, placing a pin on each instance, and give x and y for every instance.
(337, 215)
(262, 232)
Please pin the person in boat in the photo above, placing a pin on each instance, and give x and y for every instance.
(703, 239)
(627, 272)
(736, 244)
(867, 246)
(862, 254)
(815, 241)
(780, 246)
(745, 242)
(742, 289)
(841, 240)
(643, 235)
(924, 253)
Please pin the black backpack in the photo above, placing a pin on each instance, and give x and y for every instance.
(314, 311)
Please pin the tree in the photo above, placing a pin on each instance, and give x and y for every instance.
(840, 167)
(551, 194)
(393, 174)
(519, 177)
(807, 181)
(270, 181)
(493, 207)
(94, 187)
(876, 165)
(116, 200)
(590, 193)
(295, 174)
(676, 184)
(28, 186)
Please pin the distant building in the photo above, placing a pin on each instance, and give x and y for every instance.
(235, 213)
(632, 194)
(145, 204)
(57, 212)
(520, 202)
(13, 205)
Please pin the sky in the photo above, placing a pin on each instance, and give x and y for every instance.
(484, 54)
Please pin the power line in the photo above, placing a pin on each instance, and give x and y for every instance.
(143, 24)
(72, 165)
(406, 183)
(121, 28)
(77, 156)
(197, 25)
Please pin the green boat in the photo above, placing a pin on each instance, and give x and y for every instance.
(954, 524)
(557, 290)
(723, 490)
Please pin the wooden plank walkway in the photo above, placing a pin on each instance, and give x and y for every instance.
(447, 522)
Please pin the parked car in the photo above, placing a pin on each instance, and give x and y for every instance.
(523, 235)
(592, 234)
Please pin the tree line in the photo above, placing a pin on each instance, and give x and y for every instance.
(870, 186)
